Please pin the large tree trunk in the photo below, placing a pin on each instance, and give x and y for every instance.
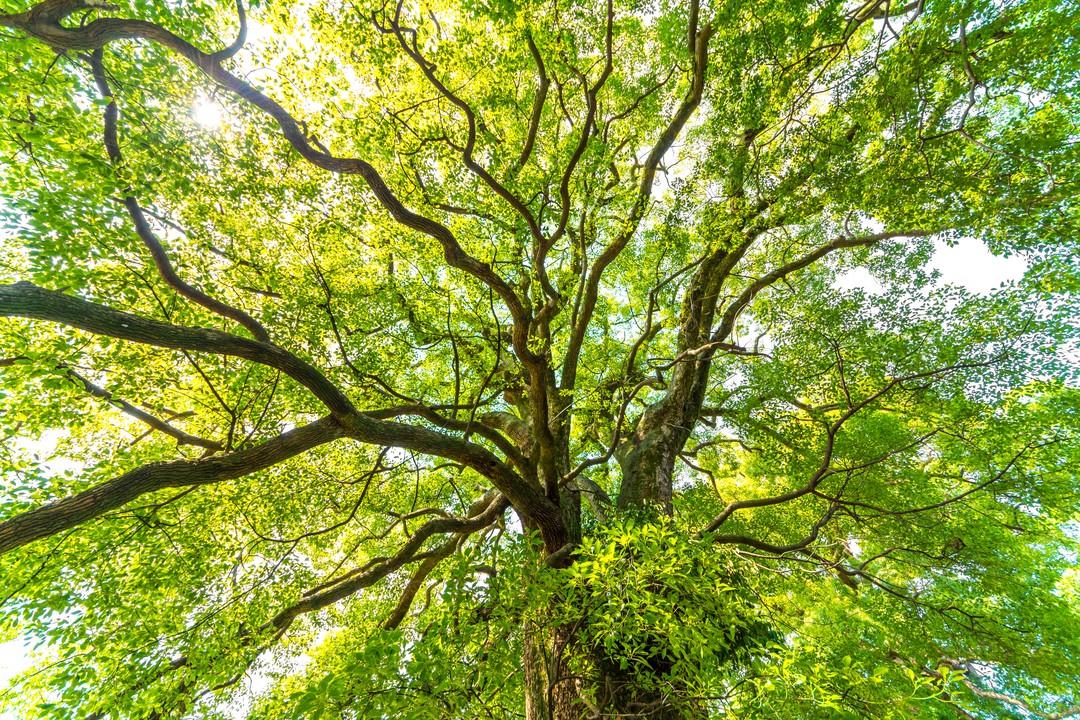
(535, 672)
(565, 687)
(648, 468)
(647, 460)
(551, 691)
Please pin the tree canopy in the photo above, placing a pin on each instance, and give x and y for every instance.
(500, 359)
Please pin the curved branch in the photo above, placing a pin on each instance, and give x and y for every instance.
(42, 23)
(484, 429)
(526, 497)
(428, 69)
(779, 549)
(543, 83)
(350, 583)
(142, 227)
(637, 212)
(409, 593)
(241, 36)
(586, 130)
(727, 322)
(1001, 697)
(71, 511)
(24, 299)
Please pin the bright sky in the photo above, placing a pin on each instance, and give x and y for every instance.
(14, 658)
(967, 263)
(970, 264)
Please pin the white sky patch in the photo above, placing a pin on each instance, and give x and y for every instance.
(207, 113)
(854, 547)
(256, 32)
(968, 264)
(15, 658)
(43, 448)
(859, 278)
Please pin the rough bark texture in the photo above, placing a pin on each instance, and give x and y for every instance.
(564, 686)
(534, 671)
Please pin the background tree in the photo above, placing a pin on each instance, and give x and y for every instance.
(489, 360)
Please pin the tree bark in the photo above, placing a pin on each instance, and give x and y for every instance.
(565, 687)
(535, 673)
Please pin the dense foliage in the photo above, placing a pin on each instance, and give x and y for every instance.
(539, 359)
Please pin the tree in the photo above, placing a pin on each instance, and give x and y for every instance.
(493, 359)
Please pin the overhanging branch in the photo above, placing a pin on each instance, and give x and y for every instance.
(24, 299)
(71, 511)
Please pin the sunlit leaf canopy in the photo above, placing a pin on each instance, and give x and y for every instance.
(489, 359)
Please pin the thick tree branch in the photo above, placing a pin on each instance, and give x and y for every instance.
(811, 537)
(241, 36)
(525, 496)
(486, 430)
(352, 582)
(416, 582)
(543, 83)
(111, 494)
(24, 299)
